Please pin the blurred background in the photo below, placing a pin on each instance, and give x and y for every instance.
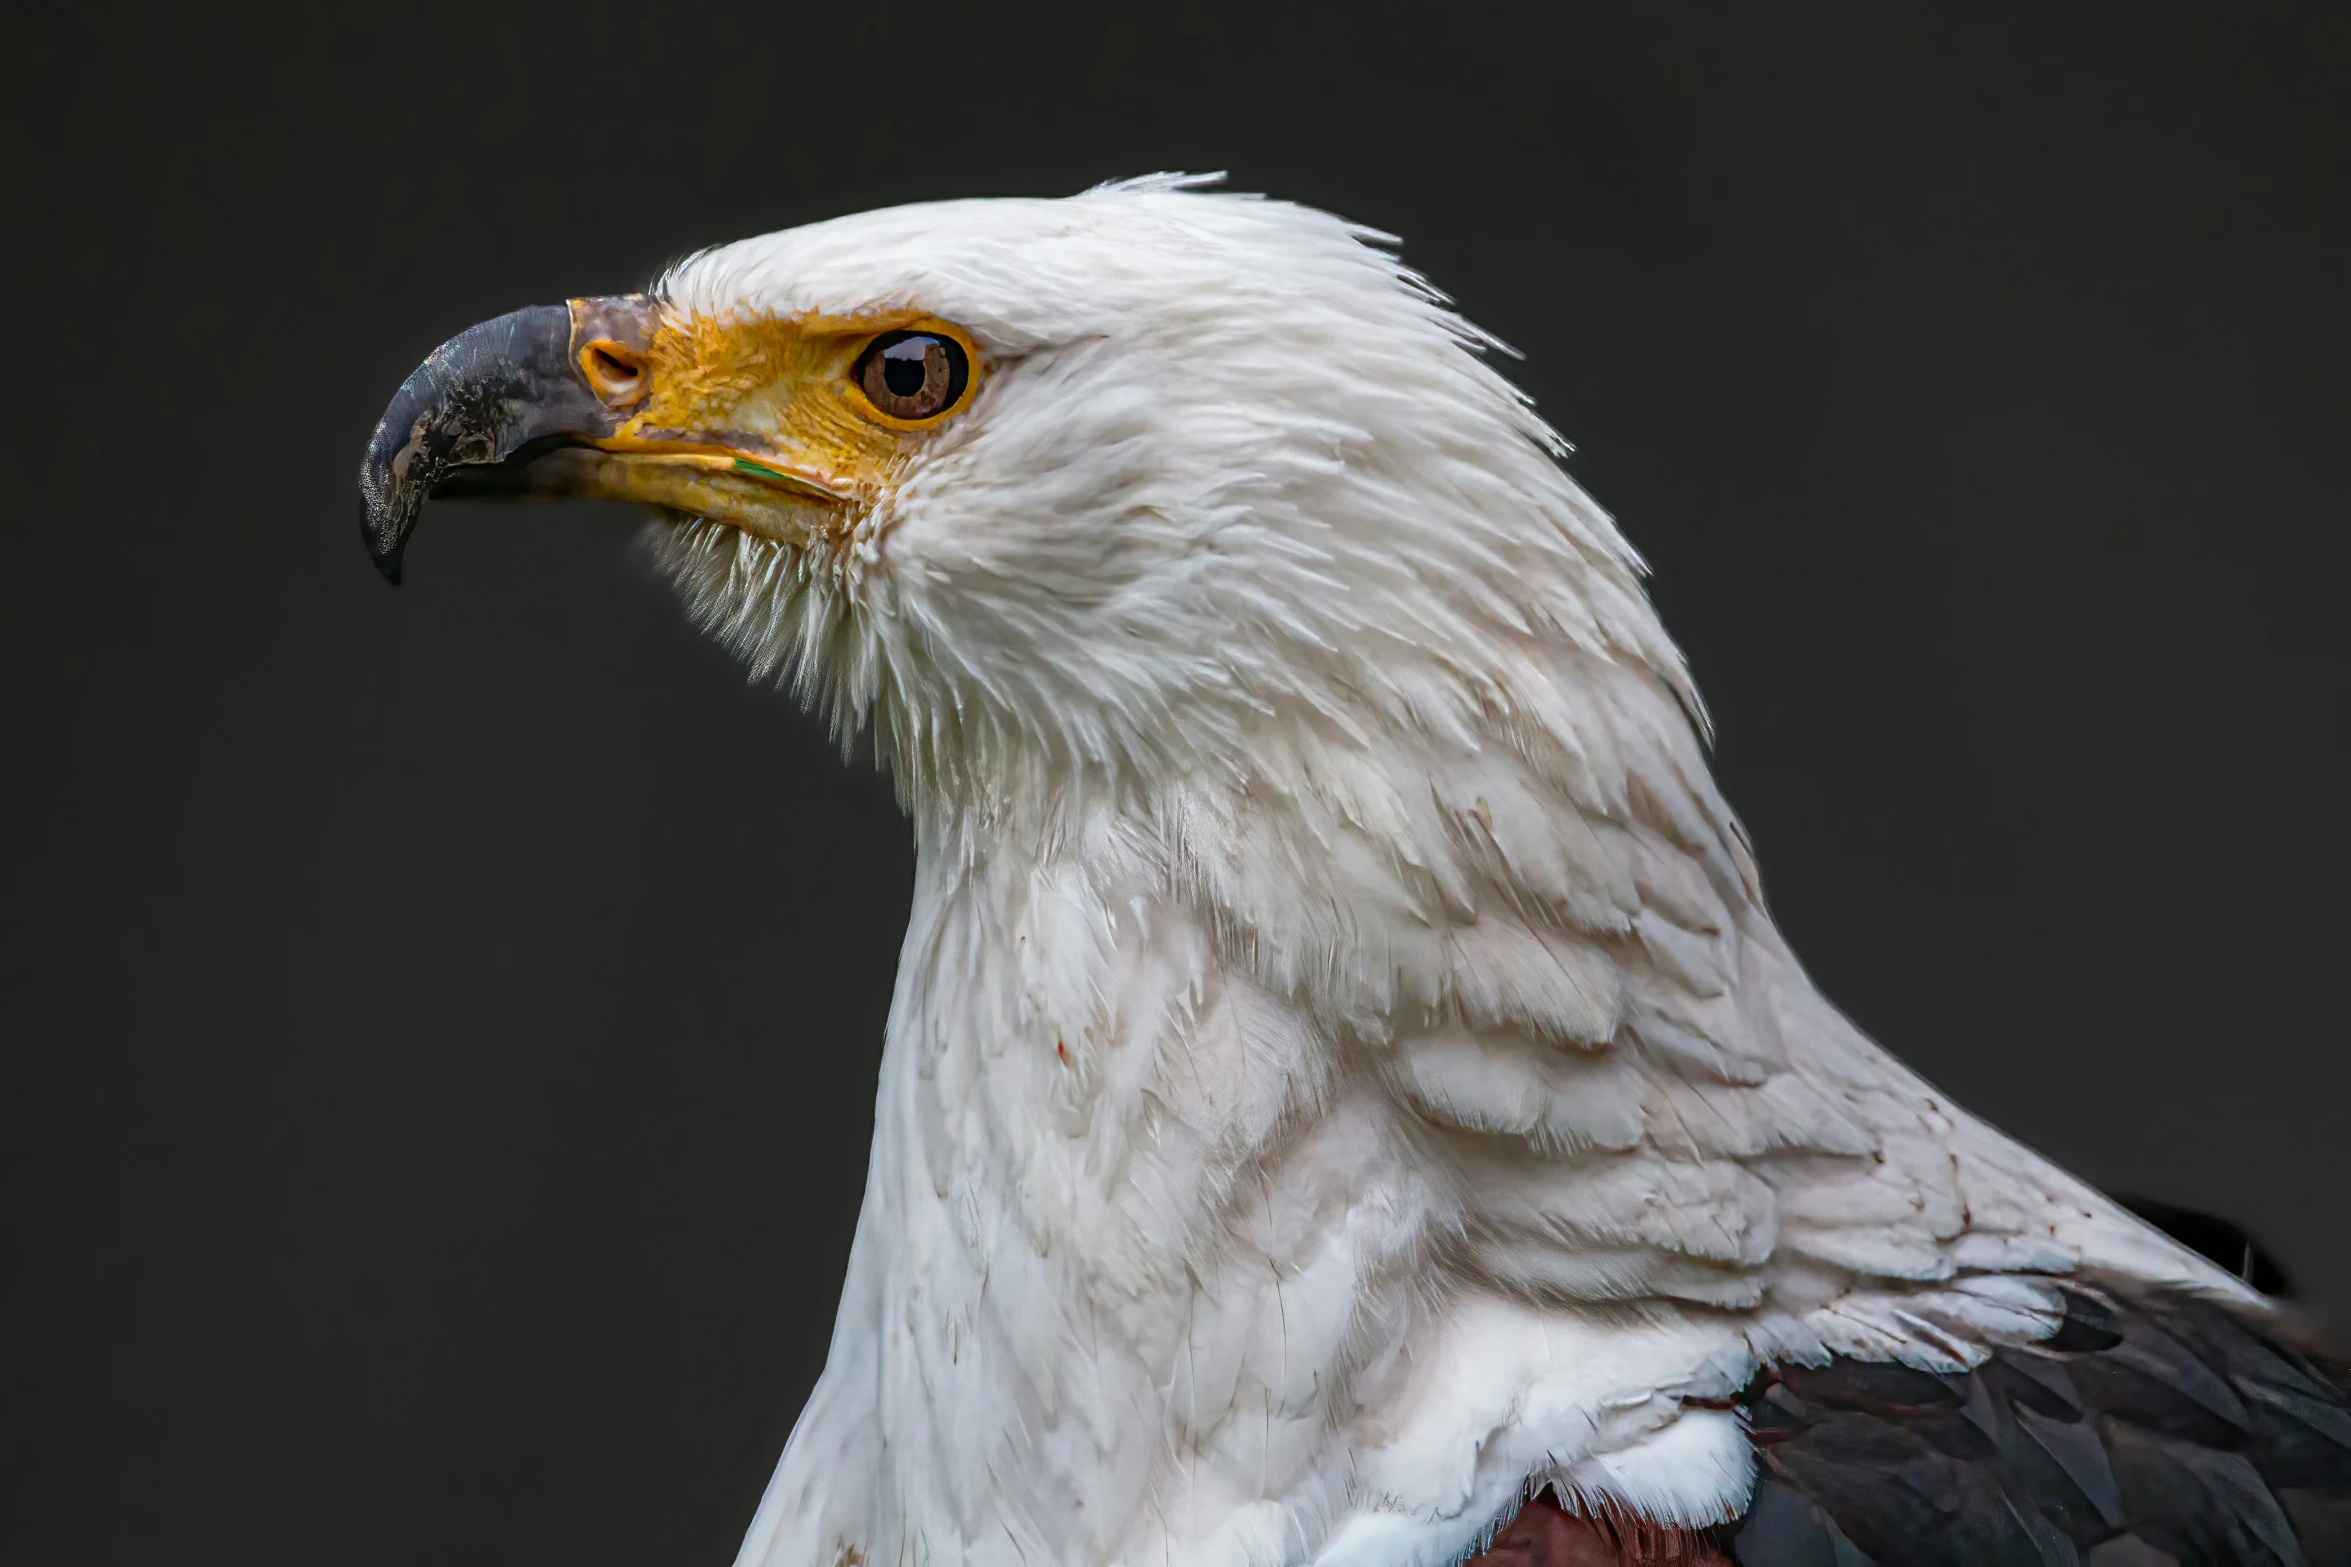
(439, 1027)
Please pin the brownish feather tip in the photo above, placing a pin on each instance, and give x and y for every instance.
(1544, 1534)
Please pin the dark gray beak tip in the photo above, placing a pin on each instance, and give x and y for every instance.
(380, 530)
(387, 562)
(480, 398)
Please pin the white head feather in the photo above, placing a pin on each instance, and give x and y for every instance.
(1341, 1071)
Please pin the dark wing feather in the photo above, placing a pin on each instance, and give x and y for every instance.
(2156, 1429)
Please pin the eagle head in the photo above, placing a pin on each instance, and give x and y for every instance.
(1049, 492)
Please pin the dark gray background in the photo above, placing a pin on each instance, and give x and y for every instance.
(439, 1026)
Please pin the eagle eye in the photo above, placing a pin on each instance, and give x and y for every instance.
(913, 376)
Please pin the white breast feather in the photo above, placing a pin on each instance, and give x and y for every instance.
(1341, 1071)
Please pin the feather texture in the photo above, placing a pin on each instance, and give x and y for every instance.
(2155, 1428)
(1342, 1071)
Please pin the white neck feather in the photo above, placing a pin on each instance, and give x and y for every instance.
(1293, 1169)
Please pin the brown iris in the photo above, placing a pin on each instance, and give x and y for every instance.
(913, 375)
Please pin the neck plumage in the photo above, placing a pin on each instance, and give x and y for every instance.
(1294, 1168)
(1104, 1164)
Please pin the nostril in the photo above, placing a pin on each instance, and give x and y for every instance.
(614, 371)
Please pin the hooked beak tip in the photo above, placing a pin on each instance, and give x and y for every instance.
(506, 387)
(383, 538)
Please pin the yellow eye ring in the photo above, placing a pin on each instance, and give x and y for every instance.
(916, 376)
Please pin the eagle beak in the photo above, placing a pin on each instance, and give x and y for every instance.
(558, 400)
(505, 409)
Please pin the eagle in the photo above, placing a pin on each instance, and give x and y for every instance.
(1344, 1100)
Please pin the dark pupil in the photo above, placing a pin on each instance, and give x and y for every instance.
(902, 366)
